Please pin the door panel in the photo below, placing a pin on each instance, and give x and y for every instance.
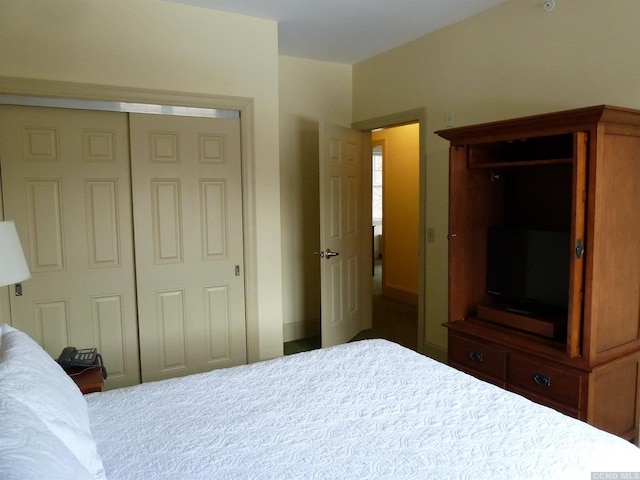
(189, 243)
(340, 231)
(578, 213)
(474, 202)
(66, 184)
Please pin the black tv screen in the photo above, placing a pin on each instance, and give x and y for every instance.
(529, 268)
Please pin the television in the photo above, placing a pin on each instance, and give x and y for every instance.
(528, 270)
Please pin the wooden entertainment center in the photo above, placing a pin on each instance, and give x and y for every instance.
(575, 171)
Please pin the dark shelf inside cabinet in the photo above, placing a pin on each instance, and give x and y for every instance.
(547, 324)
(527, 163)
(536, 150)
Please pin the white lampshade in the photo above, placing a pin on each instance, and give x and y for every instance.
(13, 266)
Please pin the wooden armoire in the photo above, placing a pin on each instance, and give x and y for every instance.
(576, 172)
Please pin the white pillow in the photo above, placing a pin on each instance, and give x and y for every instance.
(28, 449)
(29, 375)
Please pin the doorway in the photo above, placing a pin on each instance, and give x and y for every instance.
(418, 117)
(395, 193)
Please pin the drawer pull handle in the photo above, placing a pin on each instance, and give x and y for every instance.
(542, 380)
(475, 356)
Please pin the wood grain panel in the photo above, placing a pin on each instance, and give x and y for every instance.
(613, 396)
(576, 280)
(475, 203)
(616, 304)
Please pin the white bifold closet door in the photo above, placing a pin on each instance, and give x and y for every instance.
(186, 174)
(66, 184)
(140, 256)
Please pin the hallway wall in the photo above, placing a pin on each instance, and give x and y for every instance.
(400, 211)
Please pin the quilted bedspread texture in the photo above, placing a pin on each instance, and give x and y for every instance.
(369, 409)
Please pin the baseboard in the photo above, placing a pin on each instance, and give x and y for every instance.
(298, 330)
(400, 294)
(434, 351)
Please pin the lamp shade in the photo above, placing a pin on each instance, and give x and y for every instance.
(13, 266)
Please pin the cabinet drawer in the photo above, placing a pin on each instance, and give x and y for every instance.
(543, 380)
(477, 356)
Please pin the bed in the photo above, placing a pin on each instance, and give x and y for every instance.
(368, 409)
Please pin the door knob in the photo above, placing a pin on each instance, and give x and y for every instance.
(328, 253)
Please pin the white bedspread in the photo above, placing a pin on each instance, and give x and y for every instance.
(369, 409)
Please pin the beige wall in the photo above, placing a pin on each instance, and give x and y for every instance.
(310, 91)
(149, 44)
(400, 211)
(513, 60)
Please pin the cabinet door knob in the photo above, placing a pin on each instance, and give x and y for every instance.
(475, 356)
(542, 380)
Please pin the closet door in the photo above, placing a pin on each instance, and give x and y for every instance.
(66, 184)
(187, 195)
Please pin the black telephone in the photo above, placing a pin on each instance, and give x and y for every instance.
(85, 357)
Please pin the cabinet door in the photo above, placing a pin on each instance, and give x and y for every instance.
(474, 204)
(612, 294)
(576, 278)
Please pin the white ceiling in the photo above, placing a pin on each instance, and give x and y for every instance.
(349, 31)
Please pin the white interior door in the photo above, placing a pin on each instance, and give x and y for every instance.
(342, 258)
(187, 193)
(66, 184)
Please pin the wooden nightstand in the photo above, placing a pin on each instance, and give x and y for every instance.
(89, 380)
